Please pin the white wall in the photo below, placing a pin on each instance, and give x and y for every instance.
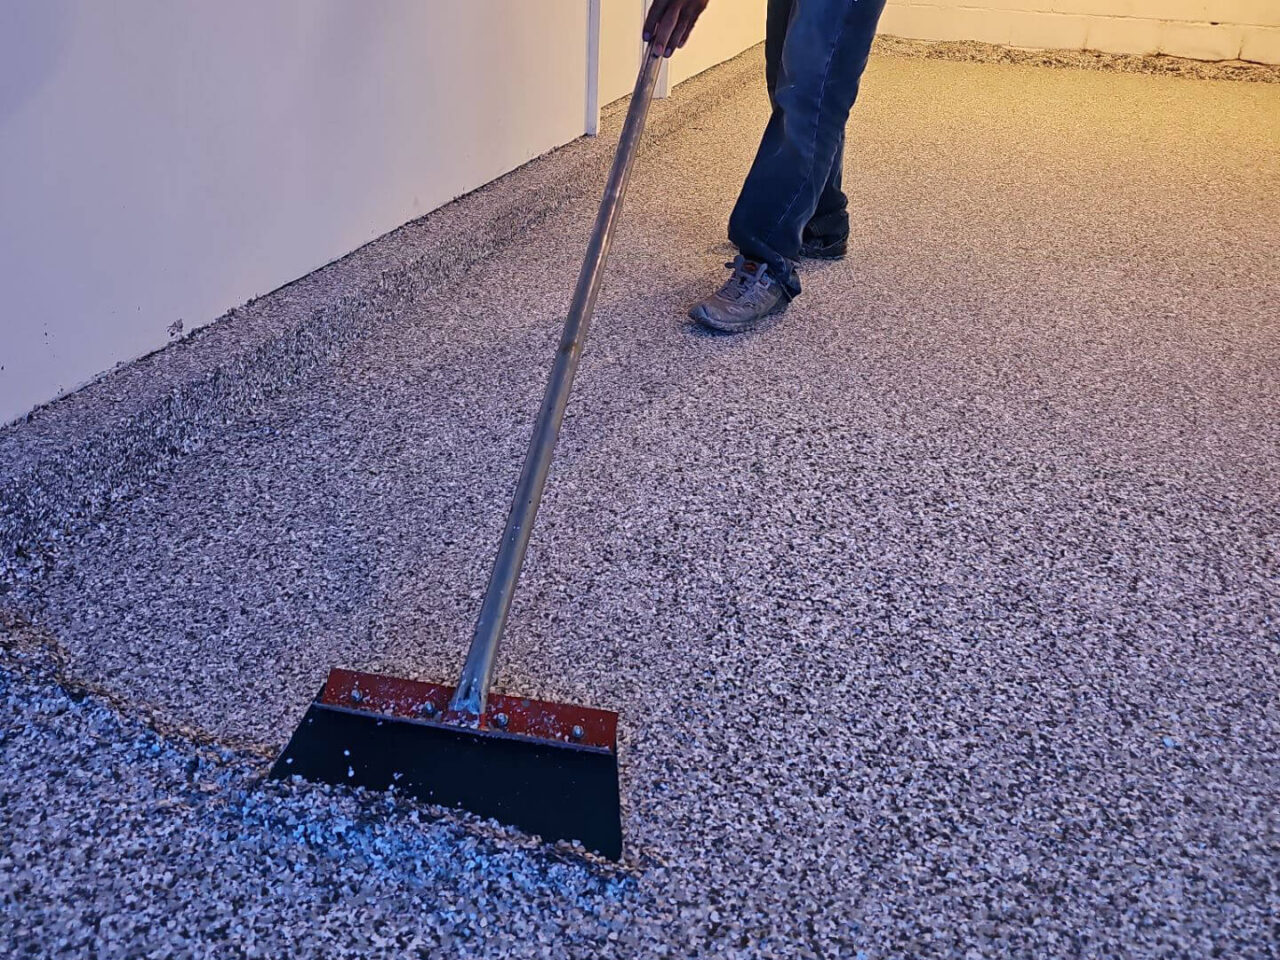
(725, 29)
(162, 161)
(621, 23)
(165, 161)
(1200, 29)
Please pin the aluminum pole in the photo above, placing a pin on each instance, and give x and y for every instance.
(477, 674)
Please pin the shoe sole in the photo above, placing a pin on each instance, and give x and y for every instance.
(818, 253)
(700, 314)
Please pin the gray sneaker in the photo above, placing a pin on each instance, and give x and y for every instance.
(750, 295)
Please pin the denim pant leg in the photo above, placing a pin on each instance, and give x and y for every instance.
(815, 81)
(775, 35)
(831, 218)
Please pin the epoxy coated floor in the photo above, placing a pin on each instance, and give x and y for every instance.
(942, 615)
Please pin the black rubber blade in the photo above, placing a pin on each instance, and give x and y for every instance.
(546, 785)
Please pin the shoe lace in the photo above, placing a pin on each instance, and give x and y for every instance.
(749, 278)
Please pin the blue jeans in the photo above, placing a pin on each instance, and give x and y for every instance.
(815, 52)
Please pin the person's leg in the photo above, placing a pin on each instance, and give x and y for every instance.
(775, 34)
(822, 56)
(828, 229)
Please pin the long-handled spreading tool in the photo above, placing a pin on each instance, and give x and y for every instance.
(548, 768)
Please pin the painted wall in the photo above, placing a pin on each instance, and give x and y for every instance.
(621, 22)
(1200, 29)
(725, 29)
(163, 162)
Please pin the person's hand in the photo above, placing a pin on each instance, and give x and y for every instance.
(670, 22)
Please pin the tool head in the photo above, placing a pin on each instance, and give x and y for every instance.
(547, 768)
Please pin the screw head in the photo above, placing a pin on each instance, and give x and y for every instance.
(357, 695)
(500, 720)
(577, 732)
(428, 709)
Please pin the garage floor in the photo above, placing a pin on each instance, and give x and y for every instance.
(942, 615)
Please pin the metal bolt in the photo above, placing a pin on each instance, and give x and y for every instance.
(356, 695)
(429, 709)
(577, 732)
(501, 720)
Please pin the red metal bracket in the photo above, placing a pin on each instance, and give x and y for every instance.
(429, 702)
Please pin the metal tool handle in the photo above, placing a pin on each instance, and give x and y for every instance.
(473, 686)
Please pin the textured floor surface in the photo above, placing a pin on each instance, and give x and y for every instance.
(942, 616)
(973, 51)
